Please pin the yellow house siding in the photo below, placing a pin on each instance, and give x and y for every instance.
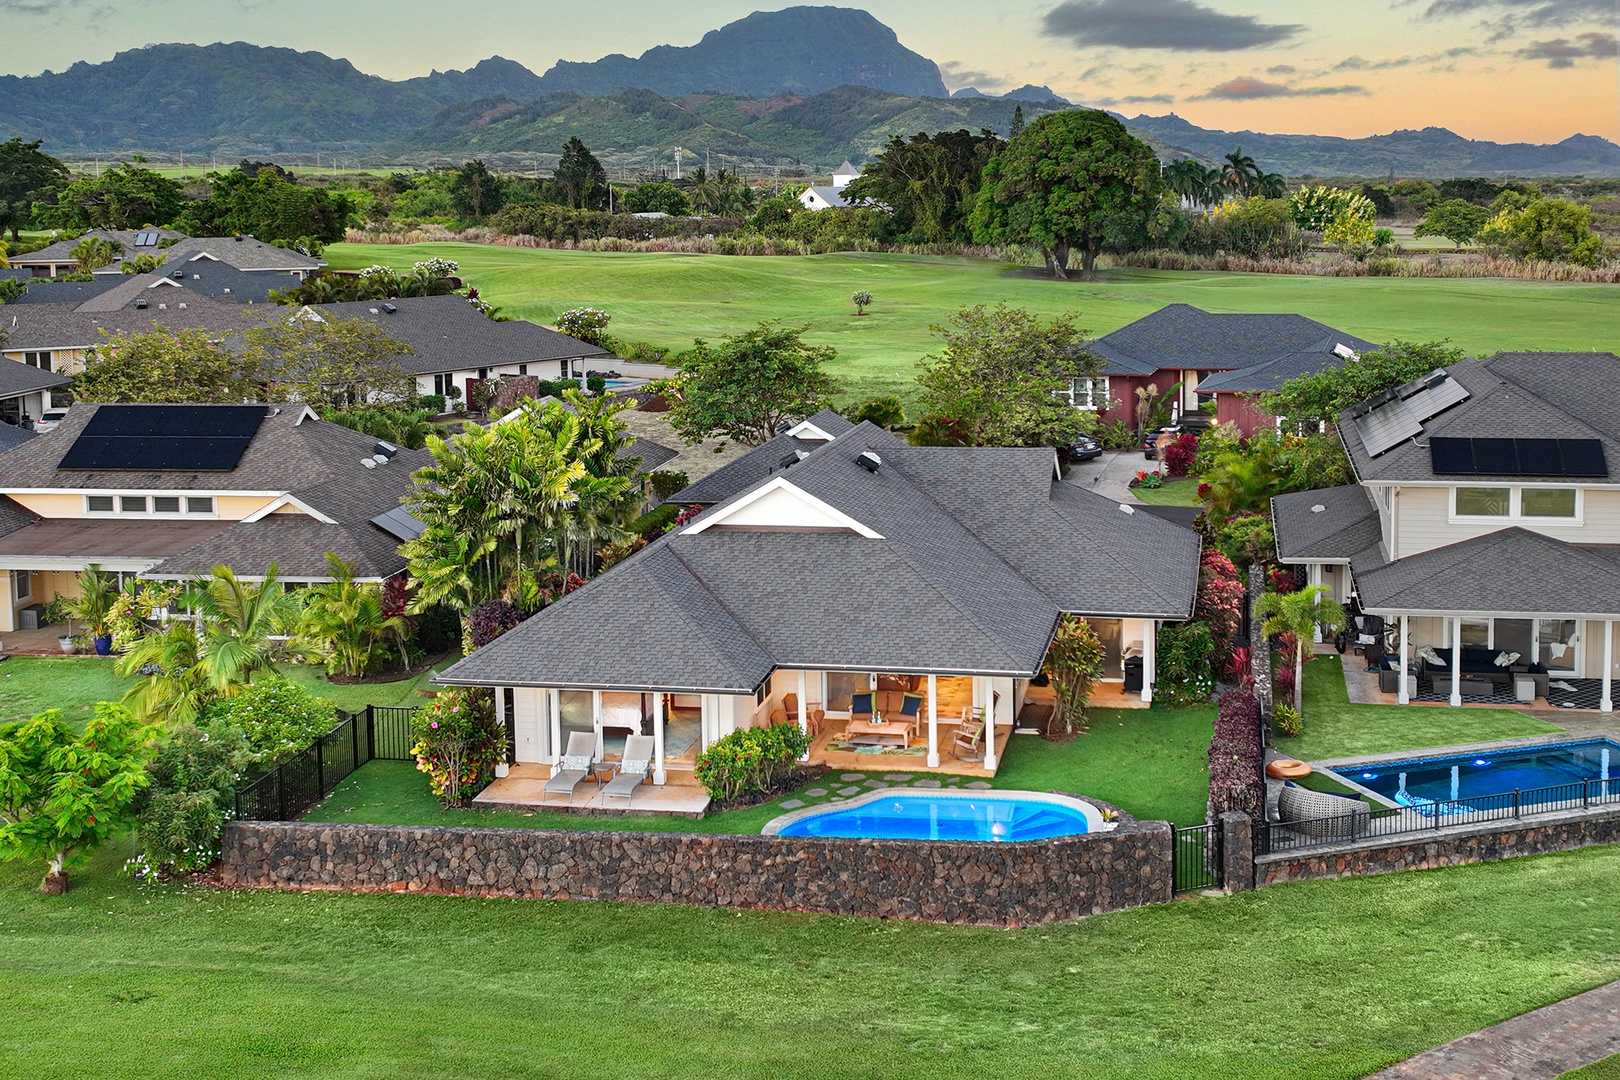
(52, 506)
(237, 507)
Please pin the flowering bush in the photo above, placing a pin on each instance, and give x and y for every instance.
(1185, 677)
(139, 602)
(437, 267)
(278, 718)
(1236, 758)
(189, 795)
(750, 760)
(586, 324)
(1147, 479)
(1178, 456)
(1220, 603)
(457, 741)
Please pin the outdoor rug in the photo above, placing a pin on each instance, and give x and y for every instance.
(914, 750)
(1584, 693)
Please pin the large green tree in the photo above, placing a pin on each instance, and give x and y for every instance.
(125, 196)
(328, 362)
(27, 176)
(159, 365)
(1070, 181)
(747, 384)
(476, 192)
(930, 182)
(579, 181)
(659, 196)
(267, 204)
(1455, 219)
(1543, 230)
(1003, 376)
(1321, 396)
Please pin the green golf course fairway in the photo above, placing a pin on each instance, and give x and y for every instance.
(669, 299)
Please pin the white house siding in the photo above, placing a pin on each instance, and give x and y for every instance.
(532, 733)
(1423, 521)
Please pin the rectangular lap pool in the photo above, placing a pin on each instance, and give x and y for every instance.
(1536, 769)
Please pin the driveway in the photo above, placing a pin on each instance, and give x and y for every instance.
(1110, 476)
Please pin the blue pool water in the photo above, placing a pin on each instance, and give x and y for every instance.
(923, 815)
(1471, 776)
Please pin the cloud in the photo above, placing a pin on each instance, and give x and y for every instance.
(1282, 69)
(1562, 52)
(1252, 89)
(1181, 25)
(958, 75)
(1150, 99)
(1357, 63)
(1505, 18)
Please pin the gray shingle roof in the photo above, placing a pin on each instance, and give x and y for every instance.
(1345, 525)
(449, 334)
(12, 436)
(60, 251)
(297, 545)
(652, 455)
(52, 291)
(242, 252)
(17, 377)
(64, 326)
(979, 552)
(760, 462)
(1507, 574)
(13, 516)
(215, 280)
(1180, 336)
(1511, 395)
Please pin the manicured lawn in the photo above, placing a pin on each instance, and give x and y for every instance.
(1182, 492)
(116, 979)
(1607, 1069)
(1336, 728)
(30, 685)
(671, 299)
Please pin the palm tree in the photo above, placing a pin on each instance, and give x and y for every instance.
(1212, 188)
(1299, 613)
(343, 621)
(1240, 174)
(1273, 185)
(92, 253)
(175, 687)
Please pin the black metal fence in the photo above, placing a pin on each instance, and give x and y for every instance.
(1362, 822)
(286, 791)
(1198, 858)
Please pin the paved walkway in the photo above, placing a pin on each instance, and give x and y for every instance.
(1539, 1045)
(1109, 475)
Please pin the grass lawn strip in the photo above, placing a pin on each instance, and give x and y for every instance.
(669, 299)
(1607, 1069)
(117, 979)
(1178, 492)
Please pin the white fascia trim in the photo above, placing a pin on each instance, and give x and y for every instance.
(805, 429)
(76, 562)
(288, 500)
(194, 492)
(307, 414)
(780, 483)
(1437, 613)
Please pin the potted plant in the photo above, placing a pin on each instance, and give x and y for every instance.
(98, 593)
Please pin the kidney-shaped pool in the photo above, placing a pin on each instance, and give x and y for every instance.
(909, 814)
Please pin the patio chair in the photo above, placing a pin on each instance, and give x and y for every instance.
(814, 714)
(576, 764)
(969, 742)
(634, 768)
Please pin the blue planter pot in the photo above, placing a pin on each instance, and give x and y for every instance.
(104, 645)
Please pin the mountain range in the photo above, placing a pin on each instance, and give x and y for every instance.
(802, 86)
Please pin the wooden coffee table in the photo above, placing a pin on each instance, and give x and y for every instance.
(889, 733)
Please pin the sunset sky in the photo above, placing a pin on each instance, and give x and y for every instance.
(1508, 70)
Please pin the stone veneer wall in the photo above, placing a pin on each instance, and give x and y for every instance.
(940, 881)
(1451, 846)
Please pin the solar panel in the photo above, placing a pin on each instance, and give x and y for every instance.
(1386, 427)
(1518, 457)
(146, 239)
(164, 438)
(1437, 395)
(399, 524)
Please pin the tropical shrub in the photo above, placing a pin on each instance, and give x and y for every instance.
(664, 484)
(457, 741)
(1237, 758)
(1185, 677)
(489, 621)
(344, 622)
(431, 403)
(1116, 435)
(191, 785)
(655, 522)
(750, 761)
(1220, 604)
(885, 412)
(1147, 479)
(587, 324)
(277, 717)
(1074, 663)
(64, 792)
(1287, 720)
(1178, 456)
(1239, 667)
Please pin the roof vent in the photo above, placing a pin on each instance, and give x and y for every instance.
(227, 290)
(238, 239)
(1126, 509)
(390, 308)
(194, 277)
(179, 275)
(1318, 509)
(792, 459)
(380, 459)
(385, 450)
(869, 461)
(374, 311)
(182, 305)
(370, 463)
(140, 302)
(1345, 352)
(163, 307)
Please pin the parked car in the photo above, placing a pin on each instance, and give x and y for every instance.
(1084, 448)
(49, 419)
(1150, 441)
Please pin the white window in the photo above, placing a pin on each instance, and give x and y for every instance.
(132, 504)
(1514, 503)
(41, 360)
(165, 504)
(22, 585)
(441, 384)
(1089, 394)
(203, 504)
(98, 504)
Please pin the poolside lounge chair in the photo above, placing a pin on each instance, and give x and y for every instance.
(634, 767)
(969, 742)
(575, 765)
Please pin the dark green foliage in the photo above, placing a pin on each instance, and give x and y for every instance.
(1379, 196)
(559, 223)
(432, 404)
(655, 522)
(475, 192)
(27, 176)
(1259, 228)
(11, 290)
(664, 484)
(1322, 396)
(579, 182)
(885, 412)
(750, 761)
(125, 196)
(268, 206)
(190, 794)
(747, 384)
(1455, 219)
(930, 182)
(1186, 676)
(276, 716)
(657, 197)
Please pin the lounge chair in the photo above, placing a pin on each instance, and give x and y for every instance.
(969, 742)
(634, 768)
(575, 765)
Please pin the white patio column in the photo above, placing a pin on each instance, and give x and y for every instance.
(933, 722)
(1401, 696)
(1607, 704)
(989, 695)
(1150, 658)
(1456, 661)
(659, 776)
(1313, 576)
(596, 720)
(554, 707)
(804, 715)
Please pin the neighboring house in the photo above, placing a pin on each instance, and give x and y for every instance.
(48, 291)
(826, 198)
(764, 460)
(55, 337)
(1228, 359)
(1486, 517)
(220, 281)
(57, 258)
(170, 491)
(942, 571)
(25, 394)
(455, 343)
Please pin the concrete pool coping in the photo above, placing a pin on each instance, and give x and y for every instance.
(1523, 742)
(1092, 812)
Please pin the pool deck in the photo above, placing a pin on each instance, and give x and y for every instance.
(1333, 765)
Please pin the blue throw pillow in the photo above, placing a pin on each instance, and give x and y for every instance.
(860, 703)
(910, 704)
(1539, 668)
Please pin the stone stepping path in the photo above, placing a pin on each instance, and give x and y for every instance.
(850, 784)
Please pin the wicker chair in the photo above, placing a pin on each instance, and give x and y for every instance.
(1321, 816)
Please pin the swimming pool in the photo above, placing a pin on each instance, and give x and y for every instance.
(1482, 773)
(1000, 817)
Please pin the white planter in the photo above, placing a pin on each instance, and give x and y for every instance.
(501, 770)
(66, 645)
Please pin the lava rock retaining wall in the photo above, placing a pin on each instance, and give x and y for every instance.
(939, 881)
(1450, 846)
